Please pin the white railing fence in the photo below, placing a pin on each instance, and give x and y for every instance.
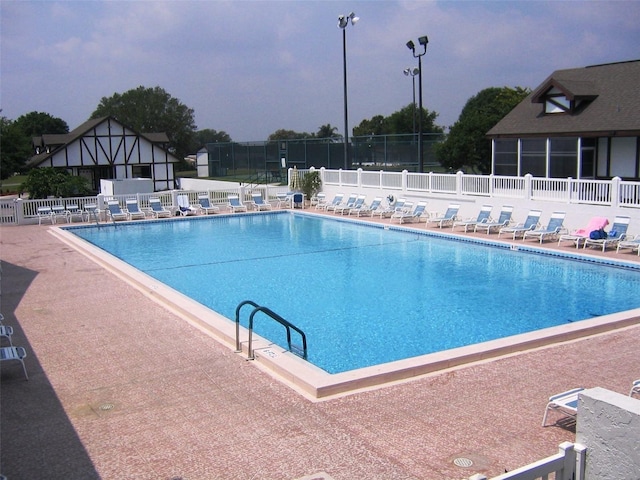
(615, 192)
(567, 464)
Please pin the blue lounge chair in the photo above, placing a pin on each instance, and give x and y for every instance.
(368, 210)
(133, 210)
(114, 211)
(337, 200)
(617, 233)
(503, 220)
(483, 217)
(566, 402)
(157, 209)
(354, 206)
(398, 206)
(235, 205)
(351, 200)
(448, 218)
(530, 223)
(14, 353)
(413, 216)
(552, 230)
(630, 244)
(258, 203)
(206, 206)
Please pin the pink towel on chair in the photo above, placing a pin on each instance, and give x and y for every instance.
(596, 223)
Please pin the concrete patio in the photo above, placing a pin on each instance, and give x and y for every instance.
(119, 387)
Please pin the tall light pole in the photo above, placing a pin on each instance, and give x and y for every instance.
(413, 72)
(411, 46)
(343, 21)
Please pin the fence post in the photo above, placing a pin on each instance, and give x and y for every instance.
(581, 458)
(359, 177)
(459, 175)
(569, 189)
(528, 188)
(491, 185)
(569, 464)
(18, 211)
(615, 192)
(405, 174)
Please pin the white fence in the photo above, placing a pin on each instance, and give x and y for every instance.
(615, 192)
(567, 464)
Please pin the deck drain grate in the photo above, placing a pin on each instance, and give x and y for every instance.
(106, 406)
(463, 462)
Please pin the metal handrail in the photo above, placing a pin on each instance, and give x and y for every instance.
(289, 326)
(240, 305)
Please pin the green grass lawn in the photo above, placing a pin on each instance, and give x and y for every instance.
(12, 184)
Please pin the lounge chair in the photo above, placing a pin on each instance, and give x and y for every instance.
(206, 206)
(530, 223)
(184, 206)
(45, 215)
(566, 402)
(59, 212)
(91, 212)
(74, 211)
(359, 202)
(552, 230)
(629, 243)
(503, 220)
(133, 210)
(580, 235)
(367, 210)
(399, 211)
(413, 216)
(635, 388)
(6, 331)
(284, 200)
(156, 208)
(351, 200)
(337, 200)
(398, 206)
(483, 217)
(235, 205)
(448, 218)
(319, 200)
(115, 212)
(14, 353)
(617, 233)
(258, 203)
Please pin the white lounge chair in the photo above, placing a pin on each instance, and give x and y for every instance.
(185, 207)
(629, 244)
(635, 388)
(59, 212)
(337, 200)
(503, 220)
(617, 233)
(483, 217)
(206, 206)
(398, 206)
(235, 205)
(351, 200)
(8, 354)
(367, 210)
(413, 216)
(448, 218)
(258, 203)
(115, 212)
(552, 230)
(45, 215)
(530, 223)
(580, 235)
(91, 212)
(156, 208)
(566, 402)
(73, 211)
(319, 200)
(133, 210)
(355, 206)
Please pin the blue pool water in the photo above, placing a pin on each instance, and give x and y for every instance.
(366, 295)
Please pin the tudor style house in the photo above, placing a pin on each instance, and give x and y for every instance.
(579, 123)
(103, 148)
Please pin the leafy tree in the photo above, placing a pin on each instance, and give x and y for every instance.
(208, 135)
(152, 110)
(57, 182)
(400, 122)
(283, 134)
(329, 132)
(467, 144)
(16, 139)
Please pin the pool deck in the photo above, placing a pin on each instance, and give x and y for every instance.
(120, 387)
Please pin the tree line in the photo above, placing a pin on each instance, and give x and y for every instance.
(148, 110)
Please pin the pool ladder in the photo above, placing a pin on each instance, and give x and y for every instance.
(295, 349)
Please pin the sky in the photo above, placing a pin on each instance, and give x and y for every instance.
(249, 68)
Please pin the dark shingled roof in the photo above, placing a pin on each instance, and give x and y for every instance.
(612, 104)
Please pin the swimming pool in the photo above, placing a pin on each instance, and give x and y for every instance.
(364, 294)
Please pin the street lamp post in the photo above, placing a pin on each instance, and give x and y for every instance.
(411, 46)
(343, 21)
(413, 72)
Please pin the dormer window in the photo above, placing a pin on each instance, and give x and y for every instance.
(556, 102)
(567, 96)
